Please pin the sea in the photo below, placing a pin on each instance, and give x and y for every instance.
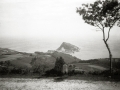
(89, 49)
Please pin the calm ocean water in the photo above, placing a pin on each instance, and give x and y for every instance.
(88, 49)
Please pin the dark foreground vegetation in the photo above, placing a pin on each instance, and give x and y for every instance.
(53, 73)
(58, 76)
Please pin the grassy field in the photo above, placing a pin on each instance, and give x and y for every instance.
(87, 67)
(52, 84)
(22, 63)
(10, 57)
(97, 67)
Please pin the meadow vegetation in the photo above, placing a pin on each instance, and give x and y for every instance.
(39, 64)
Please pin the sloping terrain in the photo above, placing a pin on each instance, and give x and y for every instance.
(6, 51)
(87, 67)
(10, 57)
(23, 60)
(67, 58)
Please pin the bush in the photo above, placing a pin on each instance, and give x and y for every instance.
(95, 72)
(53, 72)
(3, 70)
(59, 65)
(79, 72)
(1, 63)
(16, 71)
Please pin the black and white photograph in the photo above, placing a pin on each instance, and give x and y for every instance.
(59, 44)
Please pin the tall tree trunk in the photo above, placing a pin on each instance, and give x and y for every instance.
(110, 55)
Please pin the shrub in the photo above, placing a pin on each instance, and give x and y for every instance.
(53, 72)
(4, 70)
(16, 71)
(59, 65)
(79, 72)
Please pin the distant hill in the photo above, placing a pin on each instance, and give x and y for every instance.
(48, 60)
(6, 51)
(68, 48)
(23, 60)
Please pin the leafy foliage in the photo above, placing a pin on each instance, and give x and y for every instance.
(57, 70)
(59, 64)
(101, 13)
(38, 67)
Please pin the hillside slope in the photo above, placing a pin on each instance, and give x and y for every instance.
(67, 58)
(23, 60)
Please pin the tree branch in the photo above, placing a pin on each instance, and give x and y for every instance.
(101, 23)
(108, 34)
(103, 34)
(110, 29)
(99, 26)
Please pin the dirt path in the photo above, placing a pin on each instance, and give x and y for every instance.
(50, 84)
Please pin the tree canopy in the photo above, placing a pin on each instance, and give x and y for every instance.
(101, 13)
(59, 64)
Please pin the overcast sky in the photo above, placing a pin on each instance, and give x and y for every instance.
(47, 19)
(43, 18)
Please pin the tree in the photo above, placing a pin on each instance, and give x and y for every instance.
(38, 67)
(59, 64)
(102, 14)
